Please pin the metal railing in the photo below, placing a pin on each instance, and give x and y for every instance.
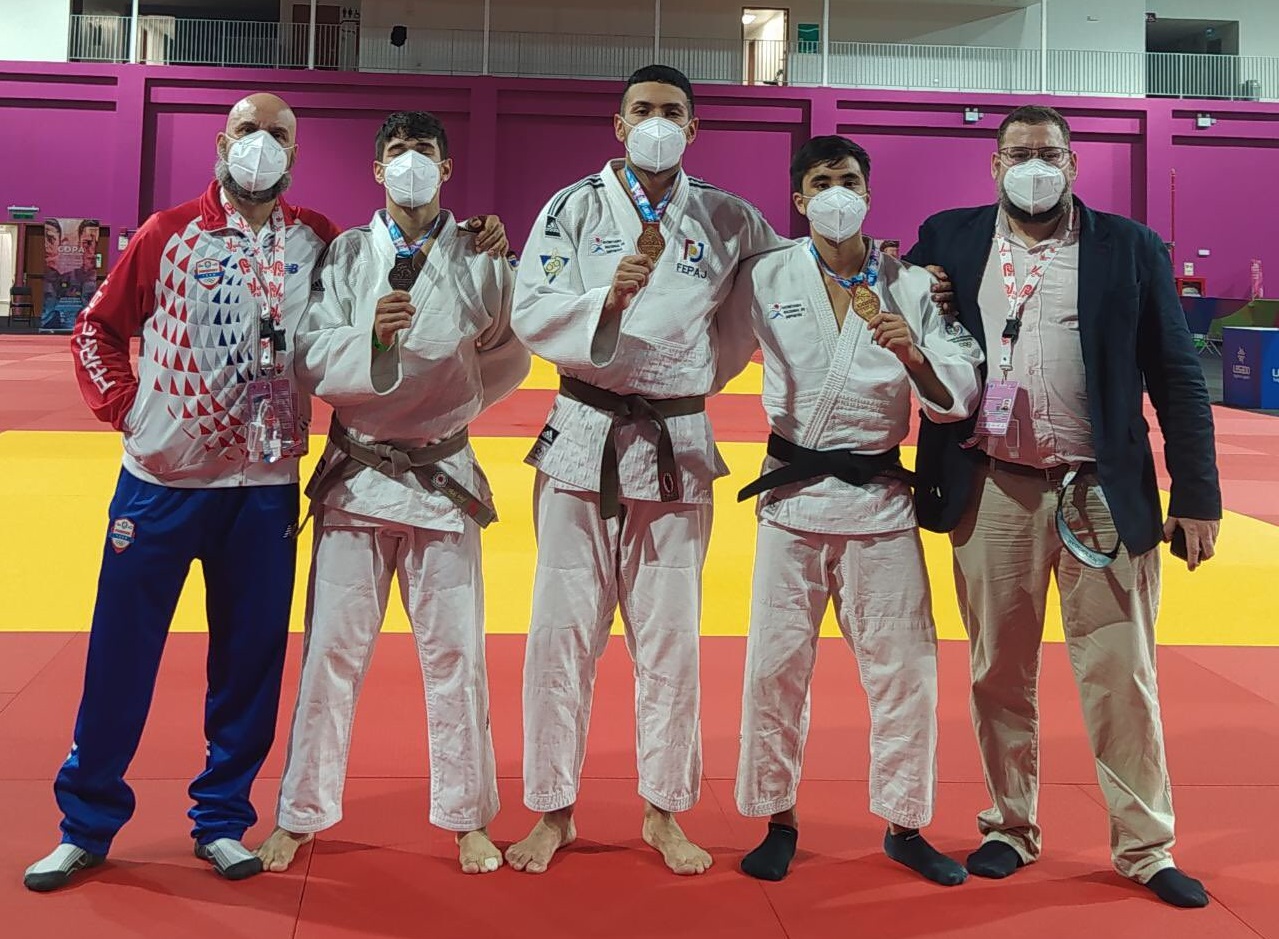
(897, 66)
(98, 39)
(924, 68)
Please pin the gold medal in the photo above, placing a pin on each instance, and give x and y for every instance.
(650, 243)
(865, 302)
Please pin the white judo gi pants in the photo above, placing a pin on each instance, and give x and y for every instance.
(648, 561)
(442, 588)
(882, 602)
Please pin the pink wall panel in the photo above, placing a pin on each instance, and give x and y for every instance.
(55, 157)
(1226, 204)
(1111, 176)
(540, 156)
(516, 141)
(914, 176)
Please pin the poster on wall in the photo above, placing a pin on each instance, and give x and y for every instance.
(70, 270)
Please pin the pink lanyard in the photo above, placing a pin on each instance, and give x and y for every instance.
(1017, 299)
(267, 283)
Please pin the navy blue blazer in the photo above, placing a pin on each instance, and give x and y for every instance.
(1133, 334)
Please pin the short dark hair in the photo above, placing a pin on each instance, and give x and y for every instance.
(664, 75)
(1035, 114)
(412, 125)
(826, 151)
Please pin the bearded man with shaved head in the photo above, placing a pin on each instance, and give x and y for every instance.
(213, 425)
(213, 428)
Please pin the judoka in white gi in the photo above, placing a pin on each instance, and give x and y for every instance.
(408, 337)
(618, 286)
(847, 333)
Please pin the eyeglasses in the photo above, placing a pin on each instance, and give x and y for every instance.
(1010, 156)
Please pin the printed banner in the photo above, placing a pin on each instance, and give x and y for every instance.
(70, 270)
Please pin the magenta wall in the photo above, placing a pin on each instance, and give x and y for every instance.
(117, 142)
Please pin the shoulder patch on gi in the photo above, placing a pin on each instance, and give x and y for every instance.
(553, 265)
(552, 228)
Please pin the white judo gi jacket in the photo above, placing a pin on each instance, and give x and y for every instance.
(666, 343)
(832, 389)
(456, 358)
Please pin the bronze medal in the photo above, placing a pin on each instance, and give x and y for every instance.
(403, 274)
(650, 243)
(865, 302)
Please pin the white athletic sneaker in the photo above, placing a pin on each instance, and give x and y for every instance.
(229, 858)
(56, 869)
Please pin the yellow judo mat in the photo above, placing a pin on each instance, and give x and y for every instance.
(58, 485)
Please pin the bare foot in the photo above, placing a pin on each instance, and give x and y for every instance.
(554, 830)
(278, 850)
(476, 853)
(662, 833)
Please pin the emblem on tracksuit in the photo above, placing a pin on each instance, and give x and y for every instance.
(208, 273)
(122, 531)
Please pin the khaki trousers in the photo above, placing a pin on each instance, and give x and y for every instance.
(1006, 548)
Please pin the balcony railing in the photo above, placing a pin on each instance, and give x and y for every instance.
(350, 47)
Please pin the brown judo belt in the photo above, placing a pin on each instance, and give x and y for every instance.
(422, 462)
(634, 408)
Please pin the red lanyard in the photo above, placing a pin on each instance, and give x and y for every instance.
(1017, 299)
(267, 283)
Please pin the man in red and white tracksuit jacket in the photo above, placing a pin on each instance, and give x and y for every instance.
(197, 280)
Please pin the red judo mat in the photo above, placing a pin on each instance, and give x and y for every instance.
(384, 872)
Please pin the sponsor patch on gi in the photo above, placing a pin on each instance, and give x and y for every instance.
(690, 260)
(611, 245)
(553, 266)
(541, 445)
(122, 532)
(290, 268)
(208, 273)
(786, 311)
(552, 229)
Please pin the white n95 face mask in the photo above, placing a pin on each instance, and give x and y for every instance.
(837, 213)
(1034, 186)
(655, 145)
(257, 161)
(412, 180)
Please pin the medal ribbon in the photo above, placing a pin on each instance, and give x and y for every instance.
(402, 248)
(646, 210)
(869, 278)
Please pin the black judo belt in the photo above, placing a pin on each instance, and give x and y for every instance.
(422, 462)
(803, 464)
(634, 408)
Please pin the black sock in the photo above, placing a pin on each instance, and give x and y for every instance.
(771, 860)
(909, 847)
(995, 860)
(1178, 889)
